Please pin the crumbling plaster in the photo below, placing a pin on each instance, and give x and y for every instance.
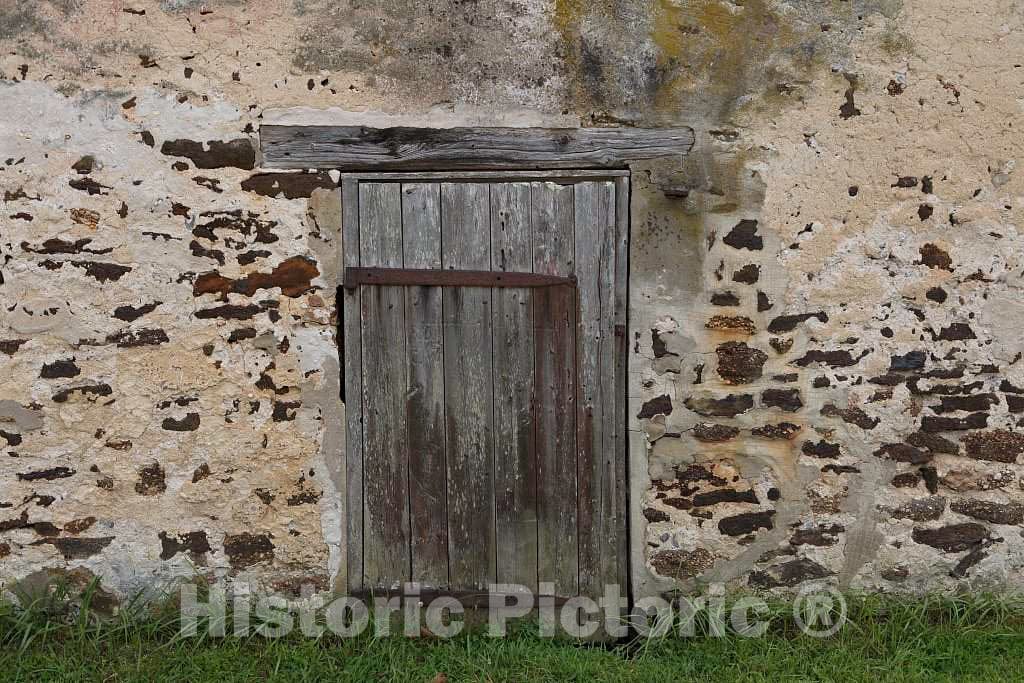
(824, 323)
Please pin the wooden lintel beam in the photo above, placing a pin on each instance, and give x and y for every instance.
(358, 148)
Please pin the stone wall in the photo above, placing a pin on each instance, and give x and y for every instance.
(826, 374)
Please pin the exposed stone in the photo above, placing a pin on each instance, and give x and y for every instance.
(781, 346)
(784, 399)
(152, 480)
(194, 542)
(933, 443)
(292, 275)
(954, 424)
(739, 323)
(714, 433)
(934, 257)
(833, 359)
(782, 430)
(955, 332)
(245, 549)
(745, 523)
(682, 564)
(954, 538)
(59, 369)
(739, 363)
(744, 236)
(47, 474)
(725, 496)
(822, 449)
(237, 153)
(189, 423)
(659, 405)
(288, 185)
(975, 403)
(77, 548)
(788, 574)
(821, 535)
(748, 274)
(997, 445)
(969, 480)
(987, 511)
(919, 510)
(852, 415)
(132, 313)
(654, 516)
(914, 360)
(730, 406)
(901, 452)
(906, 480)
(724, 299)
(788, 323)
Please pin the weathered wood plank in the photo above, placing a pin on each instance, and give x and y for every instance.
(618, 541)
(357, 148)
(555, 418)
(595, 390)
(421, 246)
(515, 467)
(352, 353)
(386, 464)
(448, 278)
(511, 176)
(465, 237)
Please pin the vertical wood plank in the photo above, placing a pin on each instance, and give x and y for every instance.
(352, 354)
(596, 390)
(465, 237)
(515, 467)
(421, 244)
(619, 543)
(555, 420)
(386, 465)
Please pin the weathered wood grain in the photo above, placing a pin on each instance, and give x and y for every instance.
(618, 536)
(421, 246)
(555, 421)
(515, 467)
(357, 148)
(595, 390)
(465, 243)
(353, 387)
(448, 278)
(386, 464)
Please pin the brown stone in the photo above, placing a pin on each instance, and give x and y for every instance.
(731, 323)
(934, 257)
(954, 538)
(748, 522)
(788, 574)
(682, 564)
(782, 430)
(245, 549)
(714, 433)
(852, 415)
(997, 445)
(152, 480)
(730, 406)
(919, 509)
(739, 363)
(987, 511)
(901, 452)
(783, 399)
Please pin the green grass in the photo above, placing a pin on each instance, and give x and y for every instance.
(887, 639)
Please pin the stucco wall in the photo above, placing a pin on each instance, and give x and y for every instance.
(825, 362)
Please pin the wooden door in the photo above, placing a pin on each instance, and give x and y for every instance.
(485, 389)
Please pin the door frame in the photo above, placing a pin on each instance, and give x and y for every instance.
(619, 515)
